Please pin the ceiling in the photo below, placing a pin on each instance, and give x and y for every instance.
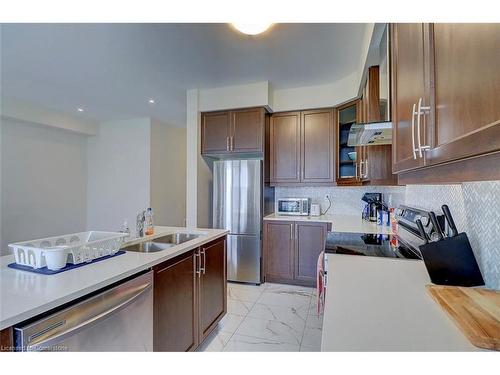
(112, 70)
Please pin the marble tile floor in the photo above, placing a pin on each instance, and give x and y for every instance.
(265, 318)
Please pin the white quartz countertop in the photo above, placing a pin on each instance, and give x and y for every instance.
(381, 304)
(340, 223)
(24, 295)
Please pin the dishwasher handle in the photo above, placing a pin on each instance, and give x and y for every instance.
(85, 314)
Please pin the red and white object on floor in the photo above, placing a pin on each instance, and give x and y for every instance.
(321, 282)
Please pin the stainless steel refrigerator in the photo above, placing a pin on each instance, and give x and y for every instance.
(238, 206)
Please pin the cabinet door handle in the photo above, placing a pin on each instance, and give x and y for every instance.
(414, 149)
(197, 262)
(291, 231)
(365, 175)
(420, 112)
(227, 144)
(232, 143)
(356, 169)
(204, 261)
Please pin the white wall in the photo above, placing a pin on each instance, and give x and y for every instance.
(318, 96)
(21, 110)
(239, 96)
(368, 45)
(192, 156)
(168, 174)
(43, 176)
(118, 185)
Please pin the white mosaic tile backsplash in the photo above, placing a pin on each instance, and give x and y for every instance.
(482, 203)
(475, 207)
(432, 197)
(345, 200)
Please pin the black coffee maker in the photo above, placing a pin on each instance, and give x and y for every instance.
(372, 207)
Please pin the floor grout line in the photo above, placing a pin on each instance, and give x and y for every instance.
(305, 325)
(266, 338)
(250, 305)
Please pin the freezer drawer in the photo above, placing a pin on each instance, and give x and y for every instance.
(244, 258)
(118, 319)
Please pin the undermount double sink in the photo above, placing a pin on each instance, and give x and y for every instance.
(162, 243)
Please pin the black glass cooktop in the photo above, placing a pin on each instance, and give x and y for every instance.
(367, 244)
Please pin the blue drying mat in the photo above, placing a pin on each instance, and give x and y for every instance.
(46, 271)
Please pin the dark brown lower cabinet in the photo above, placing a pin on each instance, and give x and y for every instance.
(291, 251)
(175, 310)
(189, 297)
(212, 286)
(278, 250)
(7, 340)
(309, 243)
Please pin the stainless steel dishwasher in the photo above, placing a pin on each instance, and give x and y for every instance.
(118, 319)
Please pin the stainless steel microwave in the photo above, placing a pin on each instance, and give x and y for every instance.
(293, 206)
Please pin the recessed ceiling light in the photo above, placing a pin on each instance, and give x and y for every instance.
(151, 101)
(79, 109)
(252, 28)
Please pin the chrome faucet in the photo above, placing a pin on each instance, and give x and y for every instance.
(141, 220)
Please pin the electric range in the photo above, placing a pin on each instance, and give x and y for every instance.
(403, 244)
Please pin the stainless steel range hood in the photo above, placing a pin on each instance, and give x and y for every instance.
(370, 134)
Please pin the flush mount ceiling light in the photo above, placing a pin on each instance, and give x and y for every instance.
(251, 28)
(151, 101)
(79, 109)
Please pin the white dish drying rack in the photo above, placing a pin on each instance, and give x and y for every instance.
(79, 247)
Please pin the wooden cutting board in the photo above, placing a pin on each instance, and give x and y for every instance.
(475, 311)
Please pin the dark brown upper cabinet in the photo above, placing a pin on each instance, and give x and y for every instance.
(302, 147)
(466, 80)
(374, 162)
(248, 130)
(409, 88)
(348, 169)
(215, 132)
(317, 141)
(236, 131)
(285, 147)
(445, 89)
